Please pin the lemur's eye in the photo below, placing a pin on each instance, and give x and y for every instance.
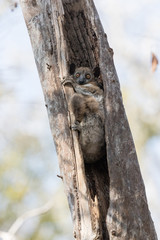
(77, 75)
(88, 76)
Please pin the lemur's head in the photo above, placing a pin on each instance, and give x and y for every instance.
(84, 75)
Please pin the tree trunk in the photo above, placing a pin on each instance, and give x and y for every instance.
(107, 200)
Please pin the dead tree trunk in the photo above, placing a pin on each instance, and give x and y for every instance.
(105, 202)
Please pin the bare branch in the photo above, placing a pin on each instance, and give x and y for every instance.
(28, 215)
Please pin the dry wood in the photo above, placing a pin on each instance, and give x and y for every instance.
(106, 202)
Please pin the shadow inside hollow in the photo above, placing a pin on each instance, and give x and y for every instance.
(98, 182)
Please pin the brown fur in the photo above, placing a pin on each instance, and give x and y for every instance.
(87, 107)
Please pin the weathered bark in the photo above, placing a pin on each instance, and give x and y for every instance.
(105, 202)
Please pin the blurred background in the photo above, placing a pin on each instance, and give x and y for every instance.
(28, 161)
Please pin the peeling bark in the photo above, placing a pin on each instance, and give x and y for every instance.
(107, 200)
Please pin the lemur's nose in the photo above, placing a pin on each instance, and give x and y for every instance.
(81, 80)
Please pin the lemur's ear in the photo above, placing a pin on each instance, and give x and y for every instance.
(72, 68)
(96, 72)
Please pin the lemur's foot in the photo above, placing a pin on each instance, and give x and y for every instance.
(76, 126)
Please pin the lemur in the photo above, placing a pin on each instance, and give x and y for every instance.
(87, 107)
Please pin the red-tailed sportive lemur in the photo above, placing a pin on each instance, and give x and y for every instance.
(87, 107)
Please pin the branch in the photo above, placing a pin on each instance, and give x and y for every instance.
(26, 216)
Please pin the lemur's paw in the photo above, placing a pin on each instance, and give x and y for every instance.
(67, 80)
